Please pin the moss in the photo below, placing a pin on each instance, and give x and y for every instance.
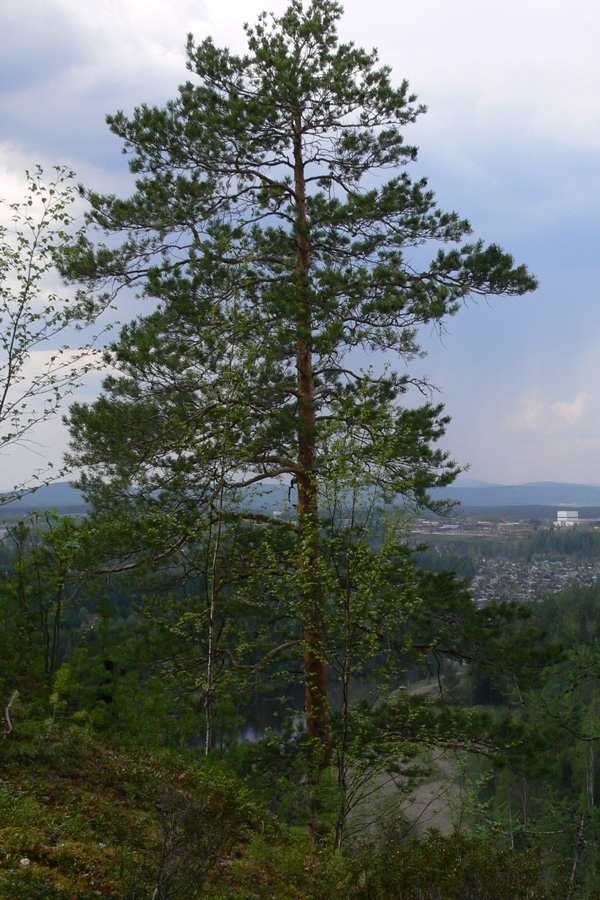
(92, 819)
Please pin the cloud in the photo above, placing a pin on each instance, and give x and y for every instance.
(70, 63)
(540, 415)
(39, 40)
(574, 411)
(41, 449)
(509, 69)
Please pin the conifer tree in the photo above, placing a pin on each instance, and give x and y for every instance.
(272, 232)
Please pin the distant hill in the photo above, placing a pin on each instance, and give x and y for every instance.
(66, 499)
(546, 513)
(464, 481)
(61, 496)
(478, 495)
(540, 493)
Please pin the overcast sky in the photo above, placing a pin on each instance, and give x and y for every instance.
(511, 141)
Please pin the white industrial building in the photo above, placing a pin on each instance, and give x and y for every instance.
(566, 518)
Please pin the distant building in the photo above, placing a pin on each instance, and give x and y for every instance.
(566, 518)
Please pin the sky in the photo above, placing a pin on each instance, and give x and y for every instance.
(511, 141)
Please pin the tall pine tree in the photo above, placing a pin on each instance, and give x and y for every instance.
(272, 230)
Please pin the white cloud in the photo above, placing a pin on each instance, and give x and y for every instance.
(573, 411)
(40, 451)
(13, 182)
(507, 67)
(542, 416)
(148, 28)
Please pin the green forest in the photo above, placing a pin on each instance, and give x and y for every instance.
(203, 696)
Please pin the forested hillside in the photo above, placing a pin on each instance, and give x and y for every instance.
(107, 789)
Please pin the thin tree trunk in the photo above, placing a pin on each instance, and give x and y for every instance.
(342, 763)
(210, 665)
(525, 800)
(7, 720)
(24, 633)
(579, 849)
(56, 629)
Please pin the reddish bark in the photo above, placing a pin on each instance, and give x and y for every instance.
(315, 668)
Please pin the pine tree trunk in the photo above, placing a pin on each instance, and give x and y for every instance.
(315, 668)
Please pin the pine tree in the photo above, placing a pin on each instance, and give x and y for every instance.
(273, 229)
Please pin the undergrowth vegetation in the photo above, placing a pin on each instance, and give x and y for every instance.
(82, 818)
